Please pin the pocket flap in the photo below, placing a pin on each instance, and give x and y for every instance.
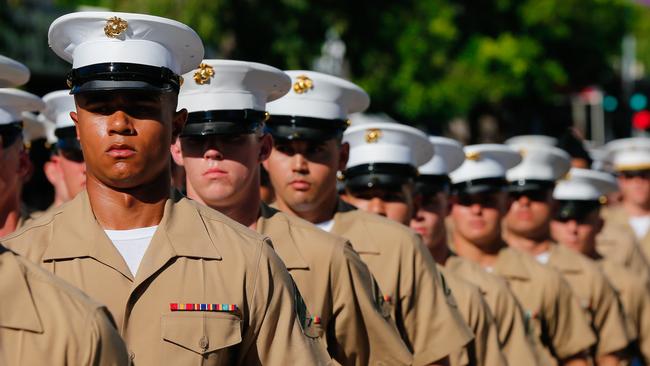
(201, 332)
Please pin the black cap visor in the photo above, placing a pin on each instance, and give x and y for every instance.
(575, 209)
(123, 76)
(305, 128)
(223, 122)
(484, 185)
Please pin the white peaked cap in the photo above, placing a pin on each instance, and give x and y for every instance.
(317, 95)
(485, 161)
(540, 162)
(58, 105)
(629, 153)
(448, 156)
(384, 142)
(584, 185)
(232, 85)
(12, 73)
(14, 102)
(37, 126)
(89, 38)
(532, 140)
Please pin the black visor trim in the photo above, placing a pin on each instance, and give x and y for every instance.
(223, 122)
(480, 186)
(121, 75)
(305, 128)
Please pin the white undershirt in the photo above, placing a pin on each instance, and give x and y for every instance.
(132, 244)
(640, 224)
(543, 257)
(326, 225)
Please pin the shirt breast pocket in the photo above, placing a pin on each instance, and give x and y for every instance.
(192, 336)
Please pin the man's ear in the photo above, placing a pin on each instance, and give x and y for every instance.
(178, 123)
(266, 147)
(344, 155)
(177, 151)
(52, 171)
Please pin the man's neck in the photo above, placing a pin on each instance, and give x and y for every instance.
(635, 210)
(245, 211)
(9, 217)
(320, 214)
(117, 209)
(533, 246)
(484, 255)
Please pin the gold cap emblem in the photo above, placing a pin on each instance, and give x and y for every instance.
(203, 74)
(602, 200)
(523, 152)
(115, 26)
(303, 84)
(373, 135)
(473, 155)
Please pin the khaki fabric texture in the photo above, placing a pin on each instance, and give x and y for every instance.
(552, 312)
(338, 288)
(427, 319)
(636, 302)
(196, 255)
(485, 348)
(45, 321)
(618, 243)
(596, 296)
(516, 343)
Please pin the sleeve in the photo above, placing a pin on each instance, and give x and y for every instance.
(361, 331)
(106, 347)
(276, 319)
(567, 325)
(517, 347)
(429, 315)
(608, 318)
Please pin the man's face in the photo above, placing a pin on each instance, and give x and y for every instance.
(477, 217)
(635, 187)
(395, 204)
(125, 136)
(579, 235)
(530, 212)
(429, 220)
(15, 170)
(71, 172)
(221, 170)
(303, 173)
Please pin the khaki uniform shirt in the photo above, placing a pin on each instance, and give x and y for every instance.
(45, 321)
(551, 310)
(636, 302)
(618, 232)
(596, 296)
(428, 320)
(516, 343)
(338, 289)
(197, 256)
(485, 349)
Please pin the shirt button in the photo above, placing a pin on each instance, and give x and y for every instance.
(203, 343)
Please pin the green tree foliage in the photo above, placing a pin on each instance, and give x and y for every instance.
(421, 60)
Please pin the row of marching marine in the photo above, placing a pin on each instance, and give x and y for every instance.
(222, 212)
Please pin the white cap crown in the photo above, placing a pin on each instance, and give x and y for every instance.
(540, 162)
(59, 104)
(317, 95)
(14, 102)
(584, 185)
(231, 85)
(485, 161)
(448, 156)
(384, 142)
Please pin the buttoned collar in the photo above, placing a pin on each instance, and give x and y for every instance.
(348, 218)
(17, 308)
(276, 225)
(181, 232)
(510, 264)
(563, 259)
